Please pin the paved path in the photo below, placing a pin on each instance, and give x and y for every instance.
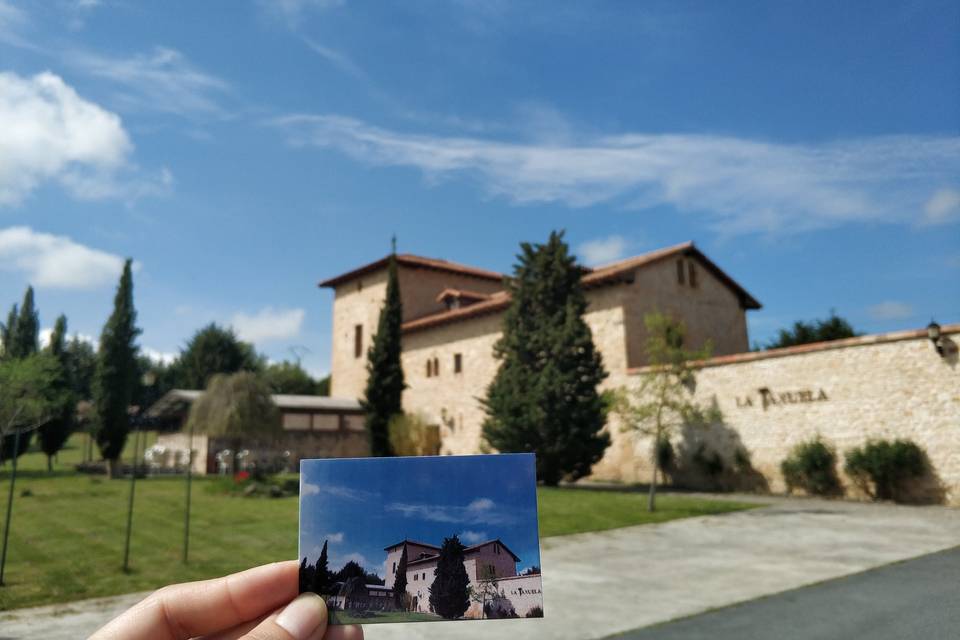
(598, 584)
(914, 599)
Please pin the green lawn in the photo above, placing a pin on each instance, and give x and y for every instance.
(66, 542)
(369, 617)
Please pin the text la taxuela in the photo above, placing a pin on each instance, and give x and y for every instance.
(770, 398)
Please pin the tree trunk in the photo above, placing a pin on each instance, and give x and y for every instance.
(49, 464)
(652, 498)
(114, 468)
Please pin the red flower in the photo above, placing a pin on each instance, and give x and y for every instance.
(241, 476)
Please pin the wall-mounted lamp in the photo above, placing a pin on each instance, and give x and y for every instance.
(933, 332)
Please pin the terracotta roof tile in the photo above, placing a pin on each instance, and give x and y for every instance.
(416, 262)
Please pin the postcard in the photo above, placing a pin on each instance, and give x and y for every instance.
(420, 539)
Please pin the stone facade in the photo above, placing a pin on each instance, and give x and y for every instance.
(885, 386)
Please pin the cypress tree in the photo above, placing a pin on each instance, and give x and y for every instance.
(449, 593)
(116, 373)
(544, 397)
(385, 385)
(321, 573)
(400, 580)
(8, 333)
(305, 576)
(54, 434)
(23, 342)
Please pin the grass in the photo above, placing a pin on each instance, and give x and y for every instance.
(66, 542)
(566, 511)
(372, 617)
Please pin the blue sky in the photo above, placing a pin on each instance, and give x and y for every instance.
(242, 151)
(359, 506)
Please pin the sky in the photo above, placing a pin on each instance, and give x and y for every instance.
(359, 508)
(240, 152)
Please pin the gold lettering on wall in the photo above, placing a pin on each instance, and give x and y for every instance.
(767, 398)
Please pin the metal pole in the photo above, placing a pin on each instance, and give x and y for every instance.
(133, 486)
(186, 524)
(6, 527)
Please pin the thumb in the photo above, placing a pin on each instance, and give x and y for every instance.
(305, 618)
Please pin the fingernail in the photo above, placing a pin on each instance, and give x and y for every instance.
(301, 617)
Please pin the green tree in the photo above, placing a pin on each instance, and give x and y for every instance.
(212, 350)
(663, 401)
(54, 433)
(400, 581)
(81, 365)
(236, 407)
(290, 377)
(385, 384)
(24, 341)
(115, 379)
(544, 397)
(8, 333)
(321, 573)
(29, 396)
(831, 328)
(450, 590)
(323, 386)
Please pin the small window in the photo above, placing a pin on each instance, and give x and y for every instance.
(436, 366)
(394, 567)
(358, 341)
(415, 576)
(693, 273)
(457, 362)
(429, 368)
(680, 272)
(424, 575)
(496, 548)
(359, 285)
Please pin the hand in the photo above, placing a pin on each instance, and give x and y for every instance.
(257, 604)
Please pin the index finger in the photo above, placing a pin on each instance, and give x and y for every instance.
(192, 609)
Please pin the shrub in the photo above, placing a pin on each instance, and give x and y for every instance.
(811, 466)
(881, 468)
(535, 612)
(665, 454)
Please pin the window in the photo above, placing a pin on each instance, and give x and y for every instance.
(680, 278)
(358, 341)
(692, 273)
(394, 567)
(424, 575)
(296, 421)
(496, 548)
(436, 366)
(415, 576)
(429, 368)
(457, 362)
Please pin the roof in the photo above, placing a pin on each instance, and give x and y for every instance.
(462, 293)
(405, 541)
(177, 401)
(613, 272)
(414, 262)
(466, 551)
(600, 276)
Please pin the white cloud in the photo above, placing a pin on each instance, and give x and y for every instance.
(269, 324)
(891, 310)
(337, 58)
(51, 133)
(337, 491)
(602, 250)
(45, 334)
(162, 80)
(13, 23)
(473, 537)
(479, 511)
(942, 207)
(163, 357)
(334, 538)
(481, 504)
(739, 185)
(56, 261)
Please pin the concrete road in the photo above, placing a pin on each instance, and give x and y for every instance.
(599, 584)
(913, 599)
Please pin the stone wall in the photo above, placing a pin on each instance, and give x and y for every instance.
(884, 386)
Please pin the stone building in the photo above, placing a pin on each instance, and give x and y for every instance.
(452, 316)
(490, 562)
(892, 385)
